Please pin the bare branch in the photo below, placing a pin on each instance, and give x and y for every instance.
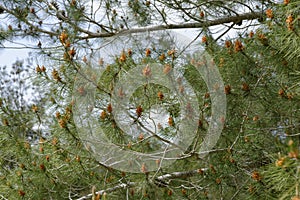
(109, 190)
(184, 174)
(160, 181)
(208, 23)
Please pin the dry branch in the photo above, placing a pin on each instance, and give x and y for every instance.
(160, 180)
(230, 19)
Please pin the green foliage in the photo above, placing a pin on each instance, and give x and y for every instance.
(42, 155)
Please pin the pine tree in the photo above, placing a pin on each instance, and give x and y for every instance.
(108, 77)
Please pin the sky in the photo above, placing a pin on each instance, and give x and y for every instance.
(9, 56)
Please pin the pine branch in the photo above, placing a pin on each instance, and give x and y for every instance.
(109, 190)
(184, 174)
(231, 19)
(160, 181)
(237, 19)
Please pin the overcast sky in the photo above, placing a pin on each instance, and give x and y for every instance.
(9, 56)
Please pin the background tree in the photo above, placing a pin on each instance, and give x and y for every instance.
(42, 155)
